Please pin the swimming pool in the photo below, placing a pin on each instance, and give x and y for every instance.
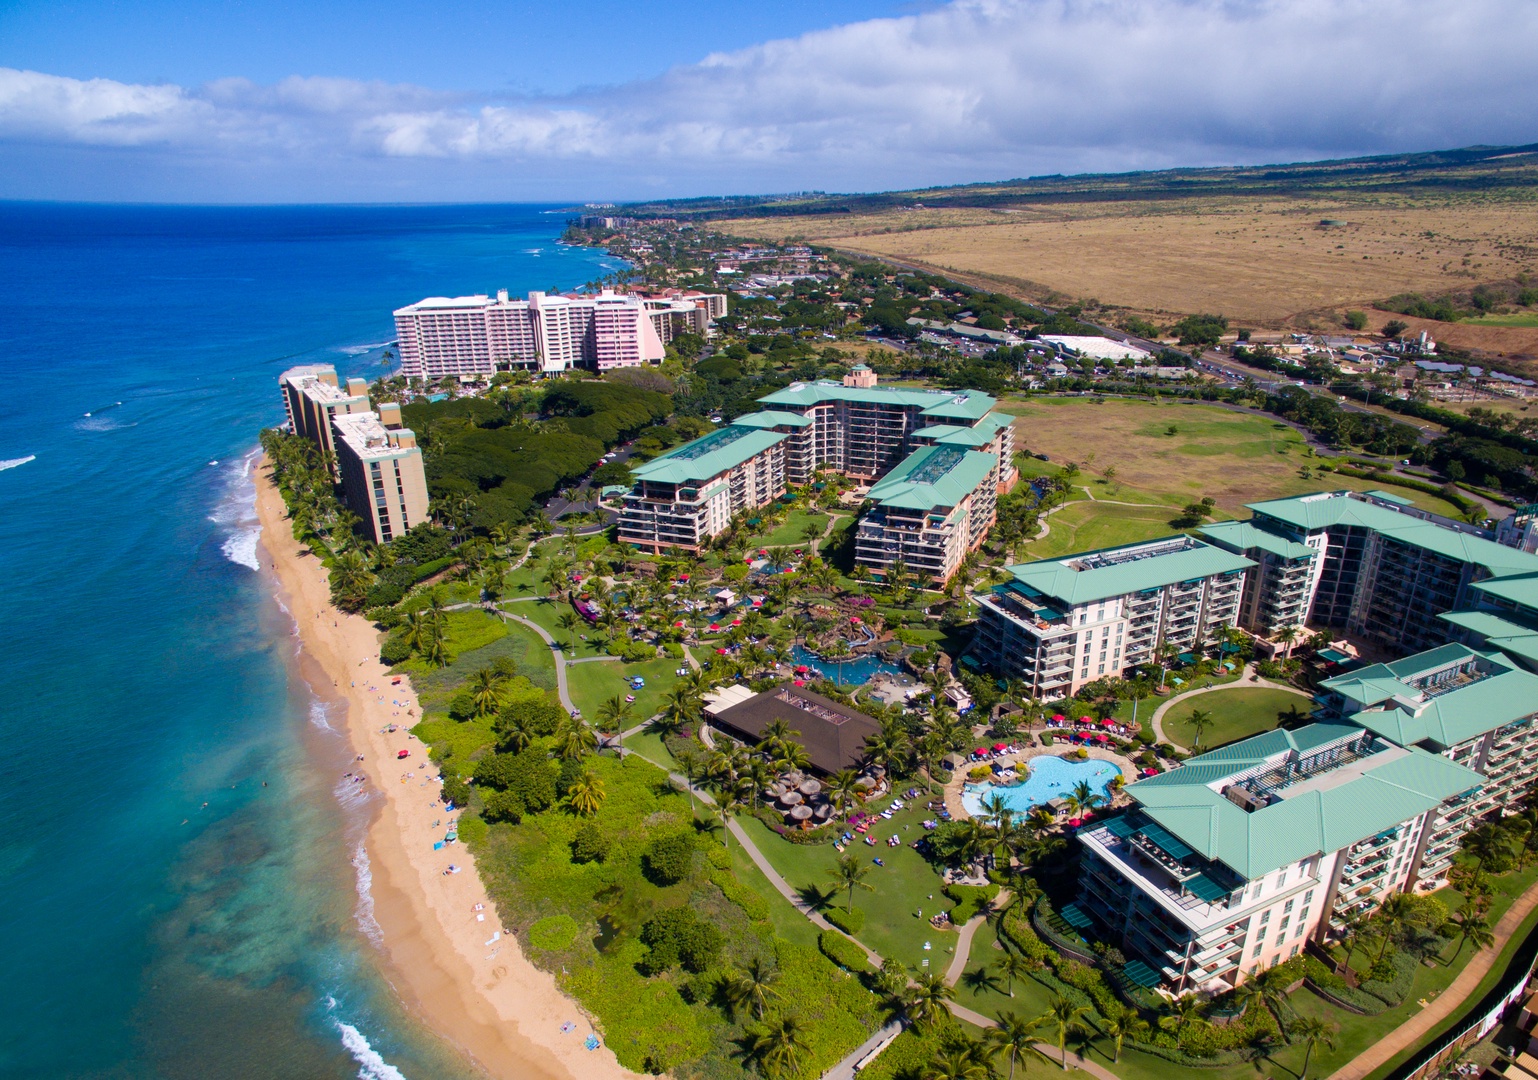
(856, 672)
(1051, 778)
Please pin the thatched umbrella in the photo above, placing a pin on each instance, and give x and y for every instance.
(809, 788)
(801, 813)
(791, 798)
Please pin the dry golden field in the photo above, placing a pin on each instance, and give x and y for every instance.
(1263, 263)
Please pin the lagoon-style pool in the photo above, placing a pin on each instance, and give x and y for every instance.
(1050, 778)
(856, 671)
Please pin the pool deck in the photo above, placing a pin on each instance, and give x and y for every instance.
(959, 778)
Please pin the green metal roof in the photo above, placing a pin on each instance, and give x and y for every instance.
(1389, 496)
(1322, 510)
(933, 477)
(1242, 536)
(960, 404)
(708, 456)
(951, 435)
(1500, 631)
(1517, 588)
(1394, 708)
(1326, 813)
(1061, 580)
(773, 418)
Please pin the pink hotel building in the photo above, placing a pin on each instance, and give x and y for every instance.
(479, 335)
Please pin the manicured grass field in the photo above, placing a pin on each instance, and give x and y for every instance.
(906, 885)
(1236, 714)
(1087, 526)
(1235, 456)
(547, 614)
(649, 745)
(596, 681)
(792, 534)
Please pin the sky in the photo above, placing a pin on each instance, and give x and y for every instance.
(449, 101)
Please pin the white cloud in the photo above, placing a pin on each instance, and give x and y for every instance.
(973, 90)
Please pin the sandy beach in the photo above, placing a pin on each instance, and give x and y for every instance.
(442, 955)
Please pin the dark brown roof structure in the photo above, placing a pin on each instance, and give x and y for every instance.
(833, 734)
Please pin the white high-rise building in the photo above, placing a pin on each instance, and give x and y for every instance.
(480, 335)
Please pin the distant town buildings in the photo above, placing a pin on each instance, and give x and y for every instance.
(374, 458)
(479, 335)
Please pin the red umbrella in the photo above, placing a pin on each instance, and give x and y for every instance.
(1001, 746)
(1076, 822)
(736, 622)
(801, 669)
(678, 624)
(1085, 720)
(1108, 722)
(723, 653)
(715, 626)
(800, 682)
(1103, 738)
(980, 750)
(1059, 717)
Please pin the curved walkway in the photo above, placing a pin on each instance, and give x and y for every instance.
(1247, 680)
(1412, 1031)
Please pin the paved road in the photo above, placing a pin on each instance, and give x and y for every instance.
(1244, 682)
(844, 1070)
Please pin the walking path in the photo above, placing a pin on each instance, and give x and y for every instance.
(1247, 680)
(1412, 1031)
(964, 938)
(560, 658)
(845, 1069)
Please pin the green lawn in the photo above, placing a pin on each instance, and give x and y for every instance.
(547, 614)
(1236, 714)
(592, 683)
(1523, 319)
(792, 534)
(1087, 526)
(903, 887)
(649, 745)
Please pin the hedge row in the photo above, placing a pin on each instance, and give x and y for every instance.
(842, 951)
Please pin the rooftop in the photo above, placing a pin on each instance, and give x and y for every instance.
(370, 439)
(1507, 632)
(1443, 696)
(708, 456)
(772, 418)
(1100, 575)
(969, 405)
(833, 734)
(933, 477)
(1244, 536)
(1315, 790)
(1441, 536)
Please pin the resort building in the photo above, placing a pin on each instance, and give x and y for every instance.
(862, 430)
(1231, 863)
(313, 396)
(941, 458)
(1476, 708)
(1227, 865)
(381, 471)
(1064, 622)
(1385, 571)
(833, 735)
(688, 495)
(480, 335)
(928, 512)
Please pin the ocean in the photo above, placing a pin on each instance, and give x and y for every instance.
(183, 886)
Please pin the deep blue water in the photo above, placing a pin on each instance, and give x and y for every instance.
(178, 888)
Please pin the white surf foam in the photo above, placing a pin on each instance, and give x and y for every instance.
(235, 513)
(101, 424)
(11, 463)
(320, 715)
(359, 350)
(364, 912)
(371, 1066)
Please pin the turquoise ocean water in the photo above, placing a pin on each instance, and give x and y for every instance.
(182, 887)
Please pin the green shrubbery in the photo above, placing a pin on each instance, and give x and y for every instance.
(678, 937)
(591, 844)
(670, 857)
(553, 932)
(969, 900)
(842, 951)
(850, 922)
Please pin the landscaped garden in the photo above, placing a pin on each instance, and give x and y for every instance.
(1211, 720)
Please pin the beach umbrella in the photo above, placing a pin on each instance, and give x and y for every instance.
(801, 813)
(801, 669)
(1001, 746)
(980, 751)
(809, 787)
(1103, 737)
(799, 682)
(1085, 720)
(721, 652)
(1058, 717)
(1108, 723)
(679, 625)
(791, 798)
(736, 622)
(715, 626)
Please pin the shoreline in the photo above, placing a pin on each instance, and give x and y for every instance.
(481, 995)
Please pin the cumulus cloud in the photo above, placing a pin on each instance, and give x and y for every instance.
(972, 90)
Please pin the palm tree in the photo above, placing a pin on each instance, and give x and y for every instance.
(575, 740)
(486, 691)
(1313, 1032)
(1200, 720)
(689, 761)
(515, 732)
(568, 621)
(850, 874)
(1489, 845)
(752, 987)
(1285, 637)
(1525, 825)
(612, 713)
(959, 1063)
(1014, 1034)
(1471, 926)
(780, 1045)
(1391, 919)
(1087, 797)
(680, 705)
(1014, 966)
(843, 789)
(1067, 1018)
(1122, 1023)
(1185, 1011)
(927, 997)
(585, 795)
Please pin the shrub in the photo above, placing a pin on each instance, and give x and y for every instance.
(752, 904)
(591, 843)
(850, 922)
(456, 791)
(842, 951)
(553, 932)
(472, 830)
(504, 806)
(394, 650)
(680, 936)
(528, 775)
(969, 900)
(670, 858)
(674, 650)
